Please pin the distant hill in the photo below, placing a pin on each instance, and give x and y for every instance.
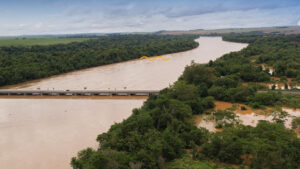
(273, 30)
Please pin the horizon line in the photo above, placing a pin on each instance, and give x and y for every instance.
(145, 32)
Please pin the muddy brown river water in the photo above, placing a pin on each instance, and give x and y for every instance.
(44, 133)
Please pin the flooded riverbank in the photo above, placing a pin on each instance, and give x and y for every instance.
(44, 133)
(246, 116)
(136, 74)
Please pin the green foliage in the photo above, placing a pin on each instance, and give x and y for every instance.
(157, 134)
(187, 163)
(269, 145)
(296, 123)
(217, 92)
(291, 100)
(183, 91)
(239, 94)
(225, 118)
(243, 108)
(274, 99)
(279, 51)
(19, 64)
(197, 74)
(191, 95)
(273, 87)
(237, 65)
(268, 98)
(226, 82)
(279, 116)
(90, 159)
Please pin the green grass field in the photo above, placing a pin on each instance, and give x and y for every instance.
(40, 40)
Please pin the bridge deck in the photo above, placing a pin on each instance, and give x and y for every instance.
(79, 92)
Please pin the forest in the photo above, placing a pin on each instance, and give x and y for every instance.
(162, 133)
(23, 63)
(279, 51)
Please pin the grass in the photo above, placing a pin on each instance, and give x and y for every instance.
(186, 162)
(39, 40)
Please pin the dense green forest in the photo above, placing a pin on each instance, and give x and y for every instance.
(161, 134)
(279, 51)
(19, 64)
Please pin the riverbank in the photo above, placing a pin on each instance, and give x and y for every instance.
(37, 62)
(162, 129)
(146, 75)
(46, 132)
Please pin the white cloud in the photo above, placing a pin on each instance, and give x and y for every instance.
(132, 18)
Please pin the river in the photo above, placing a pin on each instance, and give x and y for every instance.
(44, 133)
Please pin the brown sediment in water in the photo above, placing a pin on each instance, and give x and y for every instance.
(245, 84)
(205, 122)
(197, 118)
(221, 105)
(276, 78)
(236, 108)
(247, 158)
(297, 131)
(77, 97)
(248, 117)
(31, 82)
(46, 132)
(292, 111)
(135, 74)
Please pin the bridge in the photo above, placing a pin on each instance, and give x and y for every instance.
(17, 92)
(21, 92)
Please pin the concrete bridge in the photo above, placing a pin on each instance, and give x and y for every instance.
(16, 92)
(21, 92)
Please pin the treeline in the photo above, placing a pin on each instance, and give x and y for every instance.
(282, 52)
(19, 64)
(162, 129)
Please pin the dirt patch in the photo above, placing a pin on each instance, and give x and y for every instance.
(271, 69)
(237, 108)
(297, 131)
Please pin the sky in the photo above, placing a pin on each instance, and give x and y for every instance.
(33, 17)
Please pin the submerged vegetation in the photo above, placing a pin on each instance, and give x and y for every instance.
(296, 123)
(162, 134)
(23, 63)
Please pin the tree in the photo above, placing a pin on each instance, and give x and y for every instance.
(197, 74)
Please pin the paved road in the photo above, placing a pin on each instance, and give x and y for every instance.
(281, 91)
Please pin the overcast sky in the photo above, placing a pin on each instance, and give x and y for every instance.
(19, 17)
